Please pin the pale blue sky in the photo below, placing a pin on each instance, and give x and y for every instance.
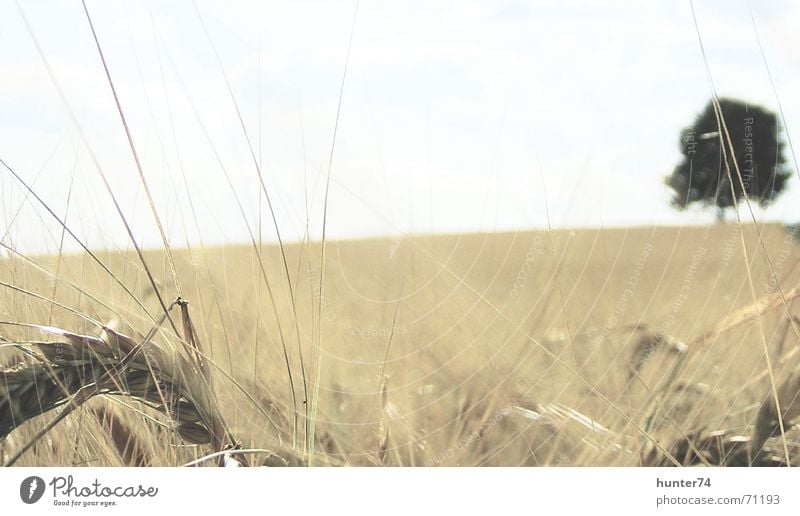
(456, 116)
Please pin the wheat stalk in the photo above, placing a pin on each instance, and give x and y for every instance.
(726, 448)
(75, 368)
(132, 450)
(767, 419)
(747, 314)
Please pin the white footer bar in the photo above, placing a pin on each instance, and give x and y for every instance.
(386, 491)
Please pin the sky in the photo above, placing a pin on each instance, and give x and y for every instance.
(451, 116)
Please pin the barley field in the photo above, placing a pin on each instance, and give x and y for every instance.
(526, 348)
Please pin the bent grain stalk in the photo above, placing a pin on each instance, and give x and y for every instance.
(75, 368)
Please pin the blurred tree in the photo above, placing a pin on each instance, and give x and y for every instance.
(702, 177)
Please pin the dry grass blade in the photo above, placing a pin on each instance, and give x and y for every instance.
(204, 399)
(574, 426)
(723, 448)
(737, 449)
(717, 448)
(747, 314)
(768, 420)
(383, 428)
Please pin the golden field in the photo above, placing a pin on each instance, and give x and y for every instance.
(478, 349)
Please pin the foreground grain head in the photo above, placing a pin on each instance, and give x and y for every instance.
(71, 369)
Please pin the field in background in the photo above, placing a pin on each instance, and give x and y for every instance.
(481, 349)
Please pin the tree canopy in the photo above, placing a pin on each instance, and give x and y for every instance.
(702, 176)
